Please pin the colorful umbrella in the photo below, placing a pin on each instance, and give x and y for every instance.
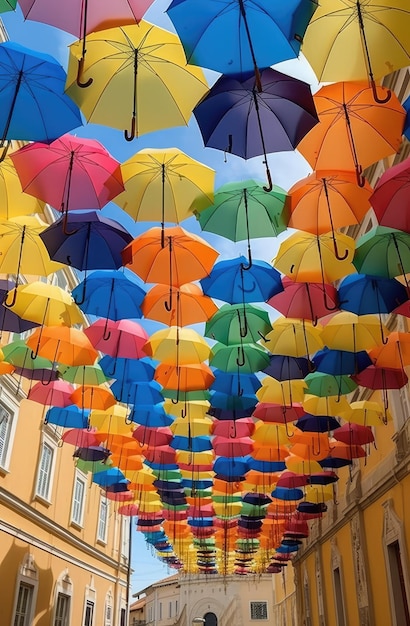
(235, 203)
(190, 305)
(354, 434)
(49, 305)
(293, 337)
(32, 81)
(83, 374)
(92, 397)
(238, 323)
(235, 282)
(358, 39)
(123, 338)
(383, 252)
(283, 367)
(8, 5)
(364, 294)
(177, 346)
(394, 353)
(305, 300)
(339, 362)
(13, 200)
(147, 66)
(322, 384)
(57, 393)
(112, 294)
(82, 171)
(375, 377)
(184, 378)
(238, 117)
(61, 344)
(390, 197)
(363, 130)
(348, 331)
(67, 417)
(249, 357)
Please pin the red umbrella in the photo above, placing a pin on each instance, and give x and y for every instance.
(354, 434)
(56, 393)
(374, 377)
(122, 338)
(153, 436)
(81, 438)
(69, 173)
(280, 413)
(160, 454)
(391, 198)
(242, 427)
(309, 301)
(229, 447)
(291, 480)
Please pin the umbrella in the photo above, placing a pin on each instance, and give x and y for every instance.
(358, 39)
(375, 377)
(8, 5)
(83, 374)
(383, 252)
(67, 417)
(235, 282)
(13, 200)
(292, 337)
(69, 173)
(323, 384)
(364, 131)
(249, 357)
(326, 405)
(348, 331)
(147, 66)
(235, 203)
(239, 118)
(304, 257)
(32, 81)
(190, 305)
(170, 256)
(13, 323)
(177, 346)
(283, 367)
(305, 300)
(326, 201)
(164, 185)
(137, 392)
(354, 434)
(365, 294)
(112, 294)
(235, 383)
(22, 250)
(394, 353)
(44, 304)
(92, 397)
(390, 197)
(281, 392)
(277, 412)
(61, 344)
(366, 413)
(317, 423)
(238, 323)
(185, 377)
(57, 393)
(127, 370)
(94, 241)
(339, 362)
(17, 353)
(124, 338)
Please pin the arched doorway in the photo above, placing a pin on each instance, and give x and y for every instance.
(210, 619)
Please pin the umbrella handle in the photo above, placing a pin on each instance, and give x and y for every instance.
(13, 301)
(80, 69)
(47, 382)
(240, 359)
(361, 181)
(130, 136)
(269, 186)
(376, 97)
(65, 220)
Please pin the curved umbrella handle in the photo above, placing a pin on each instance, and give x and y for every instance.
(65, 220)
(376, 97)
(240, 359)
(361, 181)
(269, 186)
(80, 69)
(46, 382)
(338, 256)
(130, 136)
(13, 301)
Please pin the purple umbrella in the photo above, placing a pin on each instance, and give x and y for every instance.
(236, 117)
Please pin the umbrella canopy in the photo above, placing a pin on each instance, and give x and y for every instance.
(235, 282)
(322, 384)
(185, 377)
(364, 294)
(61, 344)
(249, 357)
(45, 304)
(177, 346)
(293, 337)
(375, 377)
(13, 200)
(124, 338)
(147, 66)
(7, 5)
(390, 197)
(326, 201)
(305, 300)
(83, 374)
(358, 39)
(348, 331)
(232, 36)
(189, 305)
(354, 434)
(394, 353)
(92, 397)
(304, 257)
(238, 117)
(67, 417)
(383, 252)
(363, 130)
(57, 393)
(33, 81)
(236, 323)
(283, 367)
(86, 240)
(164, 185)
(339, 362)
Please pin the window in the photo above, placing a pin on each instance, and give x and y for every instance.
(102, 520)
(160, 611)
(123, 617)
(108, 615)
(125, 535)
(44, 472)
(401, 605)
(176, 607)
(77, 509)
(62, 610)
(22, 615)
(170, 609)
(340, 611)
(259, 610)
(5, 431)
(89, 613)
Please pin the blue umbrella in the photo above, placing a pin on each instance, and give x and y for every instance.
(364, 294)
(128, 370)
(228, 401)
(317, 423)
(235, 383)
(111, 294)
(153, 415)
(137, 393)
(232, 36)
(68, 417)
(406, 106)
(338, 362)
(235, 282)
(284, 367)
(231, 466)
(95, 241)
(33, 105)
(288, 494)
(108, 477)
(193, 444)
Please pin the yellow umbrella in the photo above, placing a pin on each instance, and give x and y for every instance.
(348, 40)
(112, 421)
(305, 257)
(164, 186)
(270, 434)
(351, 332)
(177, 346)
(191, 409)
(326, 405)
(13, 200)
(319, 493)
(300, 465)
(22, 250)
(281, 392)
(367, 413)
(140, 79)
(195, 458)
(189, 427)
(49, 305)
(294, 337)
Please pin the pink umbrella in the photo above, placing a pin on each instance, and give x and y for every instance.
(70, 173)
(155, 436)
(242, 427)
(228, 447)
(309, 301)
(57, 393)
(121, 338)
(81, 438)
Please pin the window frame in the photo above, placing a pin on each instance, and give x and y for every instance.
(27, 576)
(12, 410)
(102, 538)
(79, 478)
(46, 443)
(258, 603)
(65, 620)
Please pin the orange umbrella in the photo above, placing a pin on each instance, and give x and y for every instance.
(93, 397)
(190, 305)
(354, 131)
(325, 201)
(61, 344)
(184, 377)
(394, 353)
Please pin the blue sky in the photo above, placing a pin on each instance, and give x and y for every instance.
(286, 169)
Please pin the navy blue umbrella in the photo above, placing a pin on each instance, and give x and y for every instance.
(338, 362)
(363, 294)
(317, 423)
(282, 367)
(220, 400)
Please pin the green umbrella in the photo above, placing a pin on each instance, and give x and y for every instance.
(383, 252)
(92, 466)
(321, 384)
(249, 357)
(84, 374)
(238, 323)
(244, 211)
(186, 396)
(7, 5)
(20, 355)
